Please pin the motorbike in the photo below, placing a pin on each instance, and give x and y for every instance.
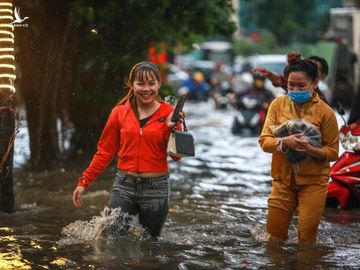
(250, 115)
(344, 185)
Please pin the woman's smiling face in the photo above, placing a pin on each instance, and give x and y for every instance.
(146, 87)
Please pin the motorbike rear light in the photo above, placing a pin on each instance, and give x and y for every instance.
(349, 141)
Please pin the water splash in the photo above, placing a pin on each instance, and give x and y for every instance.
(111, 224)
(259, 233)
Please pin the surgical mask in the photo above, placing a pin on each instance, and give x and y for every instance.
(300, 96)
(259, 84)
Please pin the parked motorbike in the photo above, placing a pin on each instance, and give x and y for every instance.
(344, 186)
(250, 115)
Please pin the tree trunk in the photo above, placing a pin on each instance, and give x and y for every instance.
(7, 119)
(7, 126)
(44, 63)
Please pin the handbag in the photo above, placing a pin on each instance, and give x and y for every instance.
(181, 143)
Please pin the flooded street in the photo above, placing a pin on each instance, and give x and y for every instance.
(216, 220)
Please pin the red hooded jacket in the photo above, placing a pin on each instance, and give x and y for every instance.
(139, 149)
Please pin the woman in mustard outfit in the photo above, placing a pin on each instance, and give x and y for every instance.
(301, 186)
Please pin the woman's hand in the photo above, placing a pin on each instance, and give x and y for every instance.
(263, 71)
(77, 194)
(296, 142)
(272, 76)
(172, 124)
(299, 143)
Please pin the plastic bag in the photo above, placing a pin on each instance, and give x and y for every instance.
(310, 132)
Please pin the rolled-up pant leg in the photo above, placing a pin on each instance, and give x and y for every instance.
(312, 200)
(281, 205)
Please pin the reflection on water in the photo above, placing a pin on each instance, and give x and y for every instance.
(216, 221)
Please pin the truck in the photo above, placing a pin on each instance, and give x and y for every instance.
(344, 29)
(215, 50)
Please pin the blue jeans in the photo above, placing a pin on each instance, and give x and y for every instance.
(147, 197)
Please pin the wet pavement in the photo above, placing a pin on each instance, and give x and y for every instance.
(216, 221)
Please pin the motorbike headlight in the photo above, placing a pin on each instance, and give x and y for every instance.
(349, 141)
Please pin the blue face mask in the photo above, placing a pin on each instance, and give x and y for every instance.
(299, 96)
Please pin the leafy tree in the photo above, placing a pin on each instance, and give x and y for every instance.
(288, 20)
(245, 46)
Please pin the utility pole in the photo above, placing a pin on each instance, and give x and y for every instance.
(7, 102)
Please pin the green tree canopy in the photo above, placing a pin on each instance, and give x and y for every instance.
(288, 20)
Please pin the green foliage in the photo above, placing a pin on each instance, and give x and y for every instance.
(166, 90)
(266, 45)
(288, 20)
(244, 47)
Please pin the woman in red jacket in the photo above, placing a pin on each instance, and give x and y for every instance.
(137, 130)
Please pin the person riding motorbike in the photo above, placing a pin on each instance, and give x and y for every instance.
(195, 87)
(259, 92)
(220, 86)
(219, 78)
(251, 105)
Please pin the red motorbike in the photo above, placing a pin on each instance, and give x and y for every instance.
(344, 186)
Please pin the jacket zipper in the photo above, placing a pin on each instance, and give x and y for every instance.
(140, 135)
(138, 154)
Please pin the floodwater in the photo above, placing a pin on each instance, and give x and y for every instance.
(216, 221)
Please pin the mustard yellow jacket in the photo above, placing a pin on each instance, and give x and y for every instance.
(315, 111)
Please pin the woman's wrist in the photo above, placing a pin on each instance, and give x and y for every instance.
(281, 147)
(83, 182)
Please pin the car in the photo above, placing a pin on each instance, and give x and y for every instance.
(176, 76)
(273, 62)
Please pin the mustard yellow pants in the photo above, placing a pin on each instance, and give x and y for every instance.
(308, 200)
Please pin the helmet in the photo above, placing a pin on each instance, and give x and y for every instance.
(259, 76)
(198, 76)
